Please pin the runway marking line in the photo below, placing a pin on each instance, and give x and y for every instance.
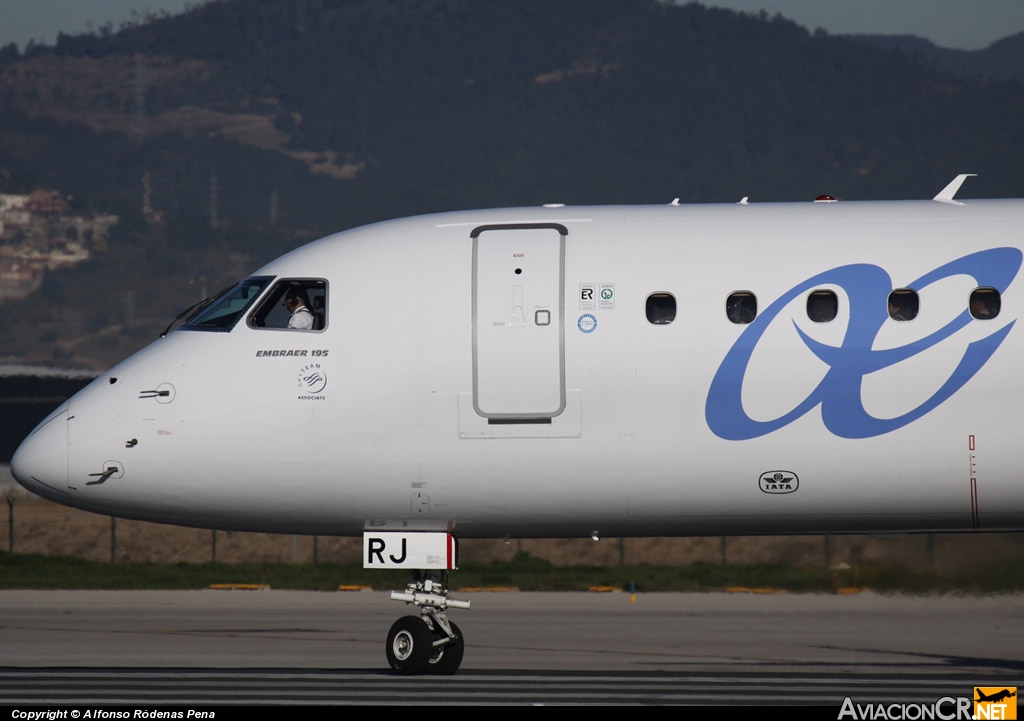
(239, 586)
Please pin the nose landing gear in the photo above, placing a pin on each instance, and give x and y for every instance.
(428, 643)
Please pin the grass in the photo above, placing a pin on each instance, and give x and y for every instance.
(27, 571)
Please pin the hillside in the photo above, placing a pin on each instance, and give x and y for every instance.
(1002, 60)
(224, 136)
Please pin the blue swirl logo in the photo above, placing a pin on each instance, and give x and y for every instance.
(839, 392)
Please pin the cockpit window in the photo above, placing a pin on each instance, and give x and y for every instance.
(293, 304)
(224, 313)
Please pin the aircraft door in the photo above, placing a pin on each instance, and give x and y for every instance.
(518, 333)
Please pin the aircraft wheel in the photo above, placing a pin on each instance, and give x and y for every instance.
(409, 645)
(445, 660)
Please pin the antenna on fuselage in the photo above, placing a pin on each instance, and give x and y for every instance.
(946, 194)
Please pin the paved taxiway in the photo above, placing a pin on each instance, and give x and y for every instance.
(947, 643)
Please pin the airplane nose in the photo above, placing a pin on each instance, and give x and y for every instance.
(41, 462)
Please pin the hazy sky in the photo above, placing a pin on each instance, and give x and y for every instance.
(968, 24)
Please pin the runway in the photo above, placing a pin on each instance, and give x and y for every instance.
(205, 687)
(203, 647)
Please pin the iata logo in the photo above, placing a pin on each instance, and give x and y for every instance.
(778, 482)
(839, 394)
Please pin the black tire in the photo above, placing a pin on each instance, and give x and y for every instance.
(409, 645)
(445, 660)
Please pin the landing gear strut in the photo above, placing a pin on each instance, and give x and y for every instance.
(428, 643)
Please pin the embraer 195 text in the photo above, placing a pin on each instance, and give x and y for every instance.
(840, 367)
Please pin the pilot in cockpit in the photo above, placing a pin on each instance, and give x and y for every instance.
(297, 302)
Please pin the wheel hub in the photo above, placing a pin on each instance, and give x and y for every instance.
(402, 646)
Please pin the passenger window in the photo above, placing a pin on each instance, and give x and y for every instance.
(985, 303)
(293, 304)
(822, 306)
(903, 304)
(741, 307)
(661, 308)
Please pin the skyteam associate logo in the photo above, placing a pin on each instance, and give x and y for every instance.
(311, 382)
(840, 391)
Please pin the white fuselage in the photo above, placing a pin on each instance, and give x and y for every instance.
(446, 391)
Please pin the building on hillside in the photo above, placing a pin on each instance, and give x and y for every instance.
(40, 233)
